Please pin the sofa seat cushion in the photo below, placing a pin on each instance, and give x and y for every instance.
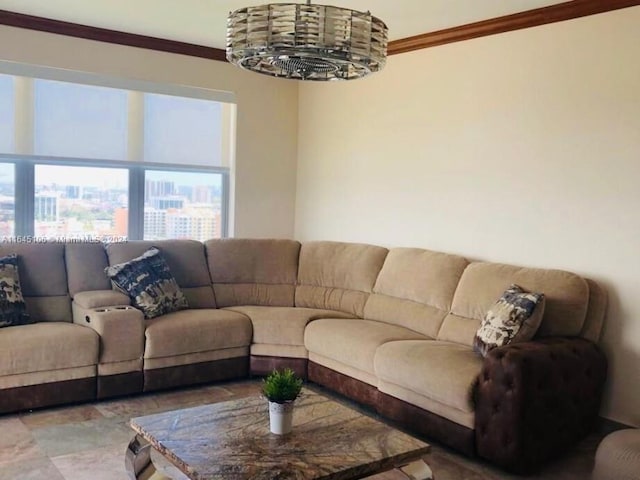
(46, 346)
(353, 342)
(441, 371)
(195, 330)
(283, 325)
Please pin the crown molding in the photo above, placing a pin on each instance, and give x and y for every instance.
(508, 23)
(48, 25)
(517, 21)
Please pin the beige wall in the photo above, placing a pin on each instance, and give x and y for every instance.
(522, 147)
(265, 168)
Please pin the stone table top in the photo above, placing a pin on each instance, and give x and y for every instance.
(231, 441)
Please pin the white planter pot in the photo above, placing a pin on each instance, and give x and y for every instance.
(280, 417)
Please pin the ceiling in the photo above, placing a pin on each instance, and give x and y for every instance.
(203, 22)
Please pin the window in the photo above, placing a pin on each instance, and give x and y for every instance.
(96, 160)
(79, 121)
(182, 205)
(7, 200)
(7, 113)
(80, 202)
(182, 130)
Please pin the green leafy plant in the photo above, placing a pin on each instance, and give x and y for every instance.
(281, 386)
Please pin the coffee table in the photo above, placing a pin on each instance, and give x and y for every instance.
(231, 441)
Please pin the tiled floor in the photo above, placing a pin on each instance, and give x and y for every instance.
(87, 442)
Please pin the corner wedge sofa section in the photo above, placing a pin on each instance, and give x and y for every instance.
(258, 278)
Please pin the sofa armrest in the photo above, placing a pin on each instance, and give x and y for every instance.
(101, 298)
(121, 329)
(536, 399)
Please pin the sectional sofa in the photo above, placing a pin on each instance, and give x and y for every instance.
(389, 328)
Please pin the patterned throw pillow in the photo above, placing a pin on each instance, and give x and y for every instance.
(149, 283)
(515, 317)
(12, 306)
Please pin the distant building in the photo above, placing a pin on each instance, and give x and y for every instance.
(155, 224)
(197, 224)
(121, 221)
(166, 203)
(72, 191)
(202, 194)
(157, 188)
(46, 208)
(185, 191)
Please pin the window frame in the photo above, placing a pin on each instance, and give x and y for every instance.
(24, 171)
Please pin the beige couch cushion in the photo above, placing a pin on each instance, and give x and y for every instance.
(42, 268)
(352, 342)
(253, 271)
(47, 346)
(85, 264)
(283, 325)
(598, 303)
(441, 371)
(49, 309)
(338, 276)
(186, 260)
(415, 288)
(43, 278)
(101, 298)
(193, 331)
(566, 297)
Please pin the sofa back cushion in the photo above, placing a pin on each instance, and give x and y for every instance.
(338, 276)
(253, 271)
(598, 303)
(43, 279)
(566, 299)
(187, 263)
(415, 289)
(85, 264)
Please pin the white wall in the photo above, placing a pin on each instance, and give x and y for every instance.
(521, 148)
(265, 169)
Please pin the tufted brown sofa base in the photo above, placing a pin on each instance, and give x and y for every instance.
(47, 394)
(110, 386)
(428, 424)
(261, 365)
(349, 387)
(196, 373)
(535, 400)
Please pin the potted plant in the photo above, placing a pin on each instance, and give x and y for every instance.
(281, 388)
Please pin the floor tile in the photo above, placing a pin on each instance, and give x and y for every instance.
(17, 444)
(35, 469)
(89, 441)
(106, 463)
(244, 388)
(130, 407)
(78, 437)
(192, 397)
(60, 416)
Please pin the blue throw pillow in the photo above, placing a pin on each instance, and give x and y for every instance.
(12, 306)
(149, 283)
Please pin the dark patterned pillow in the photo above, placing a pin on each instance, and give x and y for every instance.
(12, 306)
(515, 317)
(149, 283)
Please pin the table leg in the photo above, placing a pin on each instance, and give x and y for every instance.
(417, 470)
(137, 461)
